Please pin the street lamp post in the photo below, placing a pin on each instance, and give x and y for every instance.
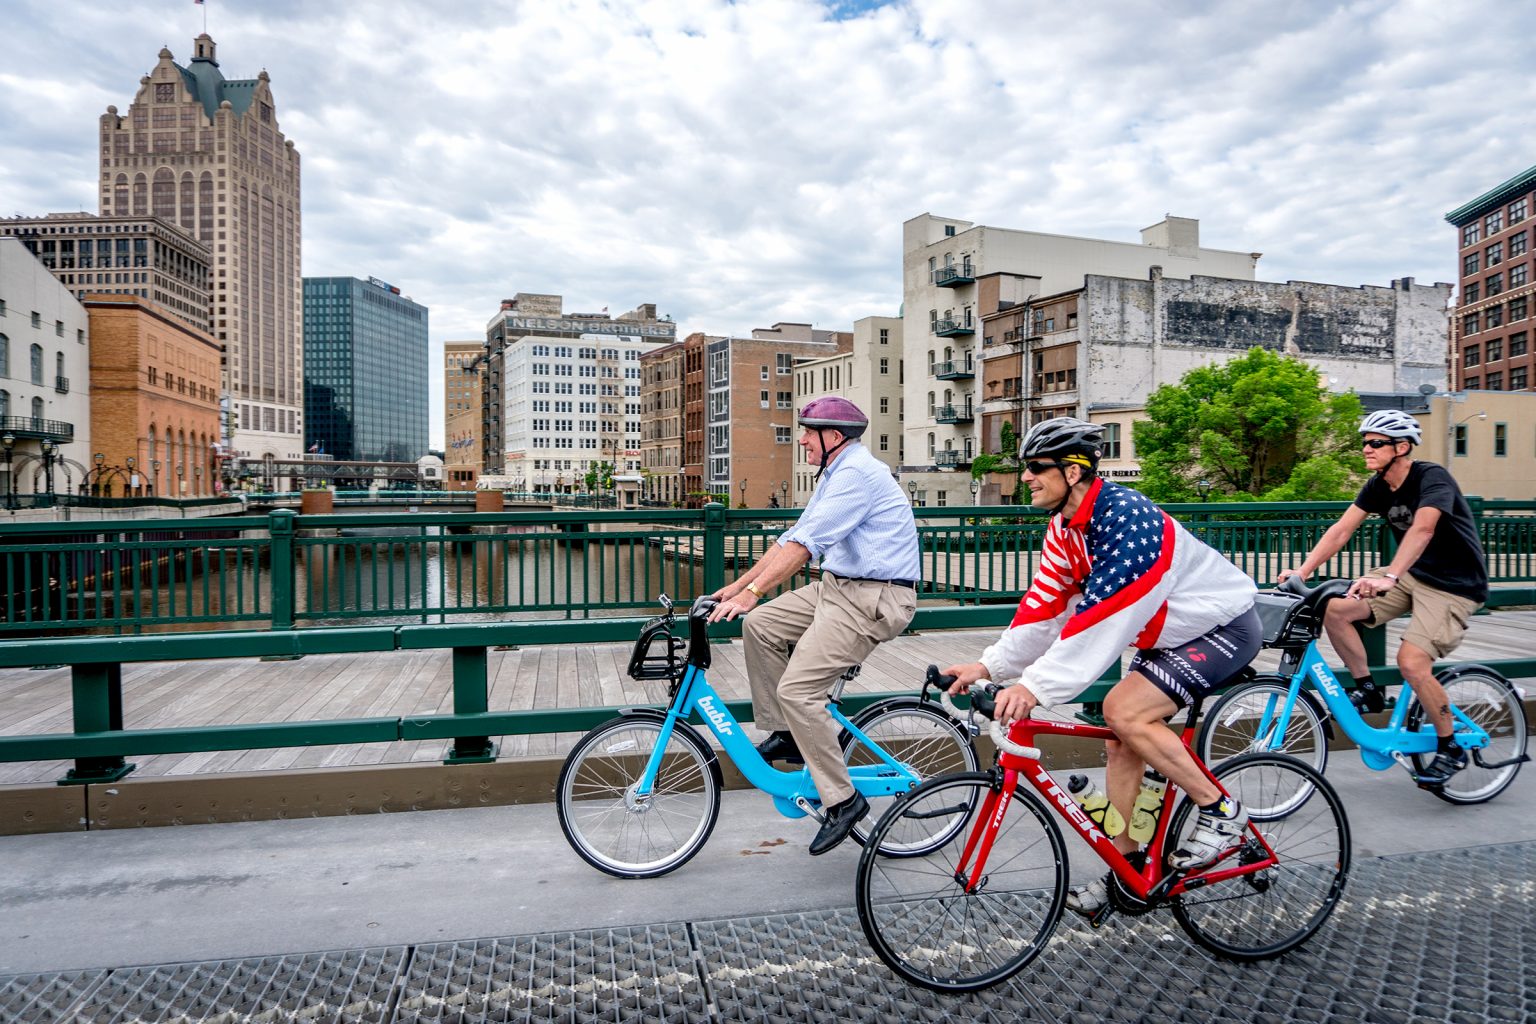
(9, 441)
(682, 486)
(975, 490)
(784, 493)
(132, 484)
(48, 449)
(95, 487)
(181, 479)
(743, 492)
(912, 491)
(154, 479)
(1204, 487)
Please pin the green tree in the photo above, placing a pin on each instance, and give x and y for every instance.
(1259, 427)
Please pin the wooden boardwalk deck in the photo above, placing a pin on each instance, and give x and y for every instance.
(404, 683)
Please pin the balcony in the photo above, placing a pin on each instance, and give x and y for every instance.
(953, 414)
(61, 385)
(953, 276)
(955, 369)
(950, 459)
(953, 328)
(33, 428)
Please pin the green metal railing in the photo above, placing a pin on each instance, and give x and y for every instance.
(565, 573)
(284, 570)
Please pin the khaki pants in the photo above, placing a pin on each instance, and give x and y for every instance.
(833, 623)
(1439, 619)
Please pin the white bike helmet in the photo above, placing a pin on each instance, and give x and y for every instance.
(1393, 423)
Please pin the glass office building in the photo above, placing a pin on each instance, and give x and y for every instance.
(365, 371)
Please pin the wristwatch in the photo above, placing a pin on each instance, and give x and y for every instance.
(1391, 576)
(755, 592)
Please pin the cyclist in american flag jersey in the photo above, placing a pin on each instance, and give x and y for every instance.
(1117, 571)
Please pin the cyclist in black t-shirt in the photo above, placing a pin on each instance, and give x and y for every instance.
(1439, 573)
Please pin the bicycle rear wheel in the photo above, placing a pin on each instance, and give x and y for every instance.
(924, 739)
(1258, 916)
(1490, 700)
(621, 833)
(918, 916)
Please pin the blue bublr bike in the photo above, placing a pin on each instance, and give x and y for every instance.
(639, 795)
(1292, 711)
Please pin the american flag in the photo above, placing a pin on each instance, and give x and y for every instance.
(1116, 548)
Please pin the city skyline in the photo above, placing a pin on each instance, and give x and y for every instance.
(749, 163)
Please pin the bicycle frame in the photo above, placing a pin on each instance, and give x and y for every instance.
(1379, 748)
(787, 788)
(1150, 882)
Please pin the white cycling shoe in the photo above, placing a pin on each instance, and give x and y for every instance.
(1214, 834)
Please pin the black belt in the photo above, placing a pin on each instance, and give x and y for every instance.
(909, 584)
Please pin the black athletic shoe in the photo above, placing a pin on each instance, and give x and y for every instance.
(780, 746)
(1443, 767)
(1368, 699)
(839, 822)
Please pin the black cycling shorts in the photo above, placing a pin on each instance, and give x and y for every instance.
(1206, 663)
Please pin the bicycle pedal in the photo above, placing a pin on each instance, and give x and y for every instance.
(814, 810)
(1100, 916)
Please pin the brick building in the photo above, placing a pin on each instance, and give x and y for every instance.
(462, 364)
(692, 470)
(154, 400)
(1491, 333)
(123, 255)
(661, 424)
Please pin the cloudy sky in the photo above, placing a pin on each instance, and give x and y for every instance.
(748, 162)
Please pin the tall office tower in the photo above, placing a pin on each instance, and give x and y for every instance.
(1491, 350)
(562, 391)
(365, 371)
(205, 152)
(143, 256)
(462, 365)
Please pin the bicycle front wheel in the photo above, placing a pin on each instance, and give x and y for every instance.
(928, 742)
(624, 834)
(1258, 916)
(918, 915)
(1490, 700)
(1243, 721)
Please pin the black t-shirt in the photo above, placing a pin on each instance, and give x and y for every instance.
(1453, 561)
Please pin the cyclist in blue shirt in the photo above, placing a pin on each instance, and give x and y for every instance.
(860, 527)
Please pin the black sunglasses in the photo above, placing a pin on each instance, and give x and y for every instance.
(1036, 468)
(1378, 442)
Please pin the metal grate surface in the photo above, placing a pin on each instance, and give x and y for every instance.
(1418, 939)
(623, 974)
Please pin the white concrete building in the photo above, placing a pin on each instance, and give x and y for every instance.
(45, 405)
(942, 258)
(870, 376)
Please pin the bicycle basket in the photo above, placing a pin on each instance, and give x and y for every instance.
(657, 654)
(1278, 616)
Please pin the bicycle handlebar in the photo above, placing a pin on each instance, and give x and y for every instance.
(998, 733)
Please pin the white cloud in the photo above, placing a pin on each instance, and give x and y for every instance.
(742, 163)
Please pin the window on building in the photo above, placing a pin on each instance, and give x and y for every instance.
(786, 363)
(943, 499)
(1493, 317)
(785, 399)
(1471, 293)
(1493, 284)
(1471, 234)
(37, 364)
(885, 406)
(885, 442)
(37, 409)
(885, 335)
(1517, 378)
(1111, 440)
(762, 399)
(1494, 255)
(933, 321)
(1493, 350)
(1493, 223)
(1460, 439)
(1519, 275)
(1517, 211)
(1517, 309)
(5, 356)
(1471, 355)
(1517, 243)
(1517, 344)
(1474, 383)
(1500, 440)
(1494, 381)
(1469, 324)
(1470, 264)
(949, 231)
(885, 365)
(37, 320)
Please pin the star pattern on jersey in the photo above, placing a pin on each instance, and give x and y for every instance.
(1123, 544)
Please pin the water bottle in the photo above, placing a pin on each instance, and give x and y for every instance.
(1093, 800)
(1148, 807)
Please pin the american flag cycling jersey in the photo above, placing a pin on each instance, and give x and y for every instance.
(1120, 573)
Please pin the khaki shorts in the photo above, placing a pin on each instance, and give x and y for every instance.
(1439, 618)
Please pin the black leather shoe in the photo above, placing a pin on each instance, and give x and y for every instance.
(1440, 770)
(780, 746)
(840, 821)
(1369, 699)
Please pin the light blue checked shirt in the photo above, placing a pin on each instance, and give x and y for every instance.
(858, 522)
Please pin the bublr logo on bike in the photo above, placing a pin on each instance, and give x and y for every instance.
(721, 720)
(1325, 680)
